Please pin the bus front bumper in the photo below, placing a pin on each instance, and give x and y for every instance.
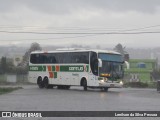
(111, 84)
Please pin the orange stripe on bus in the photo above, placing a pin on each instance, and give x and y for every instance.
(49, 68)
(57, 68)
(51, 75)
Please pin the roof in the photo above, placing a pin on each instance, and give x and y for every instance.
(77, 50)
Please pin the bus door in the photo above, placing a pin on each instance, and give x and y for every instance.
(93, 72)
(75, 78)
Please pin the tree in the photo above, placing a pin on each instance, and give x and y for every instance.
(34, 47)
(23, 66)
(10, 68)
(3, 64)
(119, 49)
(7, 66)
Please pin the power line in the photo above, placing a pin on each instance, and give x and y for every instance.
(142, 28)
(75, 28)
(89, 33)
(42, 39)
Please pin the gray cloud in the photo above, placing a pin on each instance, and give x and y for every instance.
(128, 5)
(114, 14)
(67, 6)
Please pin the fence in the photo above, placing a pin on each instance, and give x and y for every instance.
(158, 85)
(14, 78)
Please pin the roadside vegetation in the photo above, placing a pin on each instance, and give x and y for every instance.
(140, 84)
(4, 90)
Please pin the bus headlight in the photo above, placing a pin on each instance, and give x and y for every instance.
(101, 81)
(121, 82)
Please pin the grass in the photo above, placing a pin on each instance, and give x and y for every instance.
(140, 84)
(4, 90)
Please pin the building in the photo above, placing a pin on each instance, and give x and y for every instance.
(141, 70)
(17, 59)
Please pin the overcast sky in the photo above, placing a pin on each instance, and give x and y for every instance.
(129, 22)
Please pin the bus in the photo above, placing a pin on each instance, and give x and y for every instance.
(76, 67)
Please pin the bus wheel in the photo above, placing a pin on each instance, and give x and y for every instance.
(45, 82)
(85, 85)
(67, 87)
(51, 86)
(105, 89)
(59, 87)
(40, 82)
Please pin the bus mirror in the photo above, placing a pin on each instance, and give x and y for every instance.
(127, 64)
(99, 63)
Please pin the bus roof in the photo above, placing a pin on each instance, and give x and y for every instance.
(76, 50)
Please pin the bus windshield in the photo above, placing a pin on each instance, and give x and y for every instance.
(111, 57)
(112, 64)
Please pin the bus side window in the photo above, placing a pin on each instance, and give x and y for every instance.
(44, 59)
(33, 58)
(62, 58)
(77, 59)
(51, 59)
(39, 58)
(83, 59)
(72, 58)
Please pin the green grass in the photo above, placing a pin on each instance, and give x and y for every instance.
(143, 60)
(140, 84)
(138, 70)
(4, 90)
(2, 79)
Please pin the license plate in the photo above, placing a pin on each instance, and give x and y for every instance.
(111, 85)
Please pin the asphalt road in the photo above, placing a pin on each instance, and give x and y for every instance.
(31, 98)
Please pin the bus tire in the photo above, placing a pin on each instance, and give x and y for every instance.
(46, 83)
(67, 87)
(105, 89)
(40, 82)
(85, 85)
(59, 87)
(50, 87)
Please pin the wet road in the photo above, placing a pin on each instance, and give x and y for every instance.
(31, 98)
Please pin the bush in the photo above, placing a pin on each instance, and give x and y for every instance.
(152, 85)
(8, 89)
(136, 84)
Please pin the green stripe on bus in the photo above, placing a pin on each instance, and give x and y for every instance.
(37, 68)
(55, 74)
(63, 68)
(53, 68)
(77, 68)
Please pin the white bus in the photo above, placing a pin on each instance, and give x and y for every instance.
(76, 67)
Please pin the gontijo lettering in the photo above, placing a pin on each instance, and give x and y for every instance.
(75, 68)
